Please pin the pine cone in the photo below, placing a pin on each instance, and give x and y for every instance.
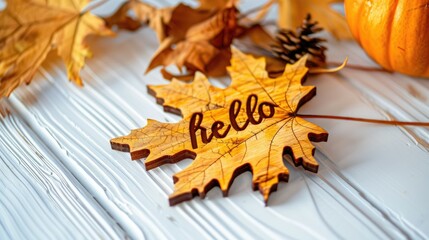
(291, 46)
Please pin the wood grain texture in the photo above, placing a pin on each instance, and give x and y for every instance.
(371, 182)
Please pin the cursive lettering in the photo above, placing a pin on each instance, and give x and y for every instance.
(220, 130)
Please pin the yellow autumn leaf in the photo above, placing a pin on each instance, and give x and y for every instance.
(30, 29)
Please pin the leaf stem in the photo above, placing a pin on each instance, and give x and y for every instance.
(368, 120)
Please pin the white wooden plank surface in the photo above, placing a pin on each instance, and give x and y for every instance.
(59, 179)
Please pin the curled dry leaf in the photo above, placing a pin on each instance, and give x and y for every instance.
(200, 41)
(247, 126)
(166, 22)
(204, 46)
(291, 13)
(121, 18)
(144, 13)
(30, 29)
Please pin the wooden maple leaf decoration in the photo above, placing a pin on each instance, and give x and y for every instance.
(247, 126)
(29, 30)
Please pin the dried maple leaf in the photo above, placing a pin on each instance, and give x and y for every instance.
(144, 13)
(29, 29)
(247, 126)
(198, 46)
(200, 41)
(166, 22)
(291, 13)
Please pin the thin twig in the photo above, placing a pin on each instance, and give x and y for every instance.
(376, 121)
(361, 68)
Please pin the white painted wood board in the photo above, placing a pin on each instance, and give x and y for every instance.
(59, 178)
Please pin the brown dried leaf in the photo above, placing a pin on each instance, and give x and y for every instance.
(247, 126)
(30, 29)
(195, 47)
(144, 13)
(165, 22)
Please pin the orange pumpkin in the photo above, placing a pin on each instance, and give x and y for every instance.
(395, 33)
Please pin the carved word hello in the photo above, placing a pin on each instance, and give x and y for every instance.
(220, 130)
